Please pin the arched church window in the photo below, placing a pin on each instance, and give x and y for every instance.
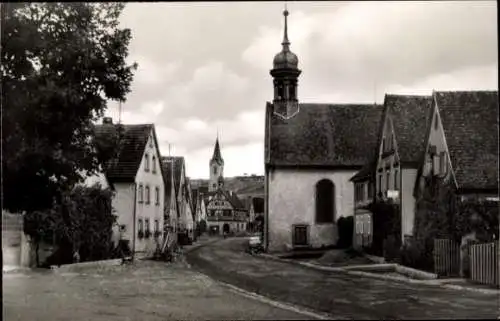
(325, 201)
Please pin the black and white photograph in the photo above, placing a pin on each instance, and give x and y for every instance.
(250, 160)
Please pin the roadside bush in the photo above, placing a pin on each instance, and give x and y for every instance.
(392, 249)
(418, 255)
(345, 226)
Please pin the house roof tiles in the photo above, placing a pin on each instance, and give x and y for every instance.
(410, 117)
(124, 147)
(470, 122)
(322, 135)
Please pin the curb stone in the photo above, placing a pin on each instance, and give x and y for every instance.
(460, 287)
(280, 305)
(430, 282)
(84, 265)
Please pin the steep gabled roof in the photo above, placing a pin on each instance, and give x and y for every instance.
(217, 157)
(234, 200)
(322, 135)
(258, 204)
(410, 116)
(178, 163)
(470, 122)
(167, 178)
(195, 196)
(124, 147)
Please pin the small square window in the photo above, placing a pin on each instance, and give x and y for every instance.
(123, 228)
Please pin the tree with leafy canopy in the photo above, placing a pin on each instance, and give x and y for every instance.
(60, 63)
(89, 228)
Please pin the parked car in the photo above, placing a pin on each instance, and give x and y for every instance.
(255, 244)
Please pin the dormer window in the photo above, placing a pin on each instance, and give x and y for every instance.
(146, 163)
(154, 164)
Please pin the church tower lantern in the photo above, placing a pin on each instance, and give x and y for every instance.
(285, 75)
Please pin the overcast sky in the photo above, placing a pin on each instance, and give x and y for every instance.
(205, 66)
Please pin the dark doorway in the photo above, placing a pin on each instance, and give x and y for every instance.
(225, 228)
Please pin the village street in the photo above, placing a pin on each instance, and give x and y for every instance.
(341, 296)
(147, 290)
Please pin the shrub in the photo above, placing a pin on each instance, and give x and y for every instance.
(140, 234)
(392, 248)
(418, 255)
(147, 234)
(80, 220)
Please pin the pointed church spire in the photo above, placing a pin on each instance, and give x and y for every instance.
(286, 42)
(217, 157)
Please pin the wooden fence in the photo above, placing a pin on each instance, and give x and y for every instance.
(484, 264)
(446, 256)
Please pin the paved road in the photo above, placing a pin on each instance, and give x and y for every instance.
(342, 296)
(145, 291)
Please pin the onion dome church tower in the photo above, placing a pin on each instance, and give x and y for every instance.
(285, 75)
(216, 169)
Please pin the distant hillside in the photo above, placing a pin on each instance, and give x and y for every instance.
(244, 186)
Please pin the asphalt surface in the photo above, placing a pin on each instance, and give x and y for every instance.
(341, 296)
(146, 290)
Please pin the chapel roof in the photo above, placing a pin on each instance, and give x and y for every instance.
(322, 135)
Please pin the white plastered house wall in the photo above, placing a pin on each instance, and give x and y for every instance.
(291, 201)
(150, 176)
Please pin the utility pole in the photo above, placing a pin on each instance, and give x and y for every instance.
(119, 111)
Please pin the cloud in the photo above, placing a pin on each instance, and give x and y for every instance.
(205, 66)
(150, 73)
(360, 44)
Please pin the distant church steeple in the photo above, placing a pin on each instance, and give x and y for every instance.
(216, 168)
(285, 75)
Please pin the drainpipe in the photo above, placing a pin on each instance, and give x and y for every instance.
(135, 219)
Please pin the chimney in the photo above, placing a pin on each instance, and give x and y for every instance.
(107, 120)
